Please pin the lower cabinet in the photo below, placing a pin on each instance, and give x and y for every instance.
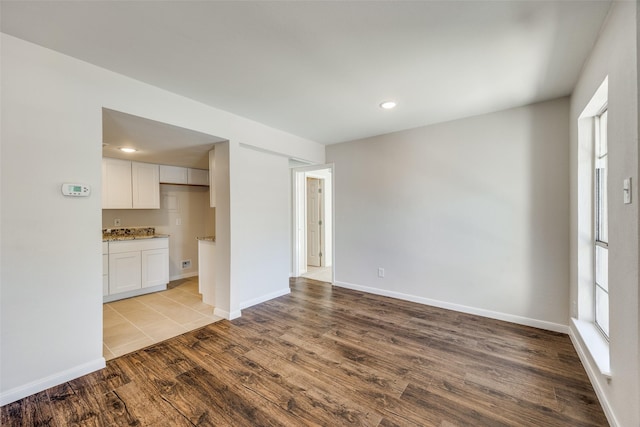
(155, 267)
(124, 272)
(105, 268)
(137, 267)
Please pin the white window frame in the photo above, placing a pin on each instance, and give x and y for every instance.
(601, 232)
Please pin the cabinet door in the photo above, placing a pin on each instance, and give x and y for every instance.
(116, 184)
(198, 177)
(155, 267)
(124, 272)
(212, 170)
(105, 274)
(173, 174)
(145, 180)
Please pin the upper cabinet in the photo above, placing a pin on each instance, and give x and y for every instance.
(145, 185)
(185, 176)
(130, 185)
(198, 176)
(173, 174)
(116, 184)
(212, 172)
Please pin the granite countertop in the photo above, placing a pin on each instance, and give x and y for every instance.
(130, 233)
(120, 238)
(207, 238)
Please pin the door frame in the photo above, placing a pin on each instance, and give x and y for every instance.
(299, 218)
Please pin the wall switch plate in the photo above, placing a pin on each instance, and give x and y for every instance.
(178, 221)
(626, 191)
(381, 272)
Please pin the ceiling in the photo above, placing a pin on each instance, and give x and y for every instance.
(155, 142)
(319, 70)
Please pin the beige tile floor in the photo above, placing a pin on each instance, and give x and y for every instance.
(322, 274)
(134, 323)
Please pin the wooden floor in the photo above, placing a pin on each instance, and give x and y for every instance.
(332, 357)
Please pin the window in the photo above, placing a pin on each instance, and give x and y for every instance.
(601, 241)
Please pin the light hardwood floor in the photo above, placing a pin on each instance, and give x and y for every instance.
(322, 274)
(333, 357)
(135, 323)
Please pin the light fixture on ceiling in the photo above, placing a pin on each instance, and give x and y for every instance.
(128, 149)
(388, 105)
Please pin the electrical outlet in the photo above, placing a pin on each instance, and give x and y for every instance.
(186, 264)
(117, 222)
(380, 272)
(178, 221)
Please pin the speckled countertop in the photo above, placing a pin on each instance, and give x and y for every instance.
(207, 238)
(130, 233)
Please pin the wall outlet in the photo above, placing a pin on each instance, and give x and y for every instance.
(117, 222)
(380, 272)
(186, 263)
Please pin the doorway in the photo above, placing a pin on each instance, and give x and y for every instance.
(184, 212)
(313, 223)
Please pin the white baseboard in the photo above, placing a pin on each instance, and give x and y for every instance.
(37, 386)
(593, 372)
(263, 298)
(229, 315)
(520, 320)
(134, 293)
(183, 275)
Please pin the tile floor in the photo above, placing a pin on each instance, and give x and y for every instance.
(134, 323)
(322, 274)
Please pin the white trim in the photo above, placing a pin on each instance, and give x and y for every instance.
(37, 386)
(526, 321)
(592, 373)
(263, 298)
(133, 293)
(596, 345)
(183, 276)
(298, 249)
(226, 314)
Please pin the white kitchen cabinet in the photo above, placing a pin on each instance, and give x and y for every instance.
(130, 185)
(155, 267)
(105, 268)
(137, 267)
(145, 183)
(183, 176)
(124, 272)
(212, 170)
(116, 184)
(173, 175)
(198, 176)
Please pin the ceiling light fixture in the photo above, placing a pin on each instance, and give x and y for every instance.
(388, 105)
(128, 149)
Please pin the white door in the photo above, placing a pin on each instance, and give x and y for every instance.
(314, 222)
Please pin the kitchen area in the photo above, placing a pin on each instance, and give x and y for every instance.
(157, 208)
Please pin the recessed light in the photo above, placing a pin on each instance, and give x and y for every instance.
(388, 105)
(128, 149)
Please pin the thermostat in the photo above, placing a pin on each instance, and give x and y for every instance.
(76, 190)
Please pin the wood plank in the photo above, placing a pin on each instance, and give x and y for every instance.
(330, 356)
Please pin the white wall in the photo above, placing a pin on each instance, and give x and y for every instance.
(615, 55)
(50, 271)
(188, 203)
(260, 212)
(471, 214)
